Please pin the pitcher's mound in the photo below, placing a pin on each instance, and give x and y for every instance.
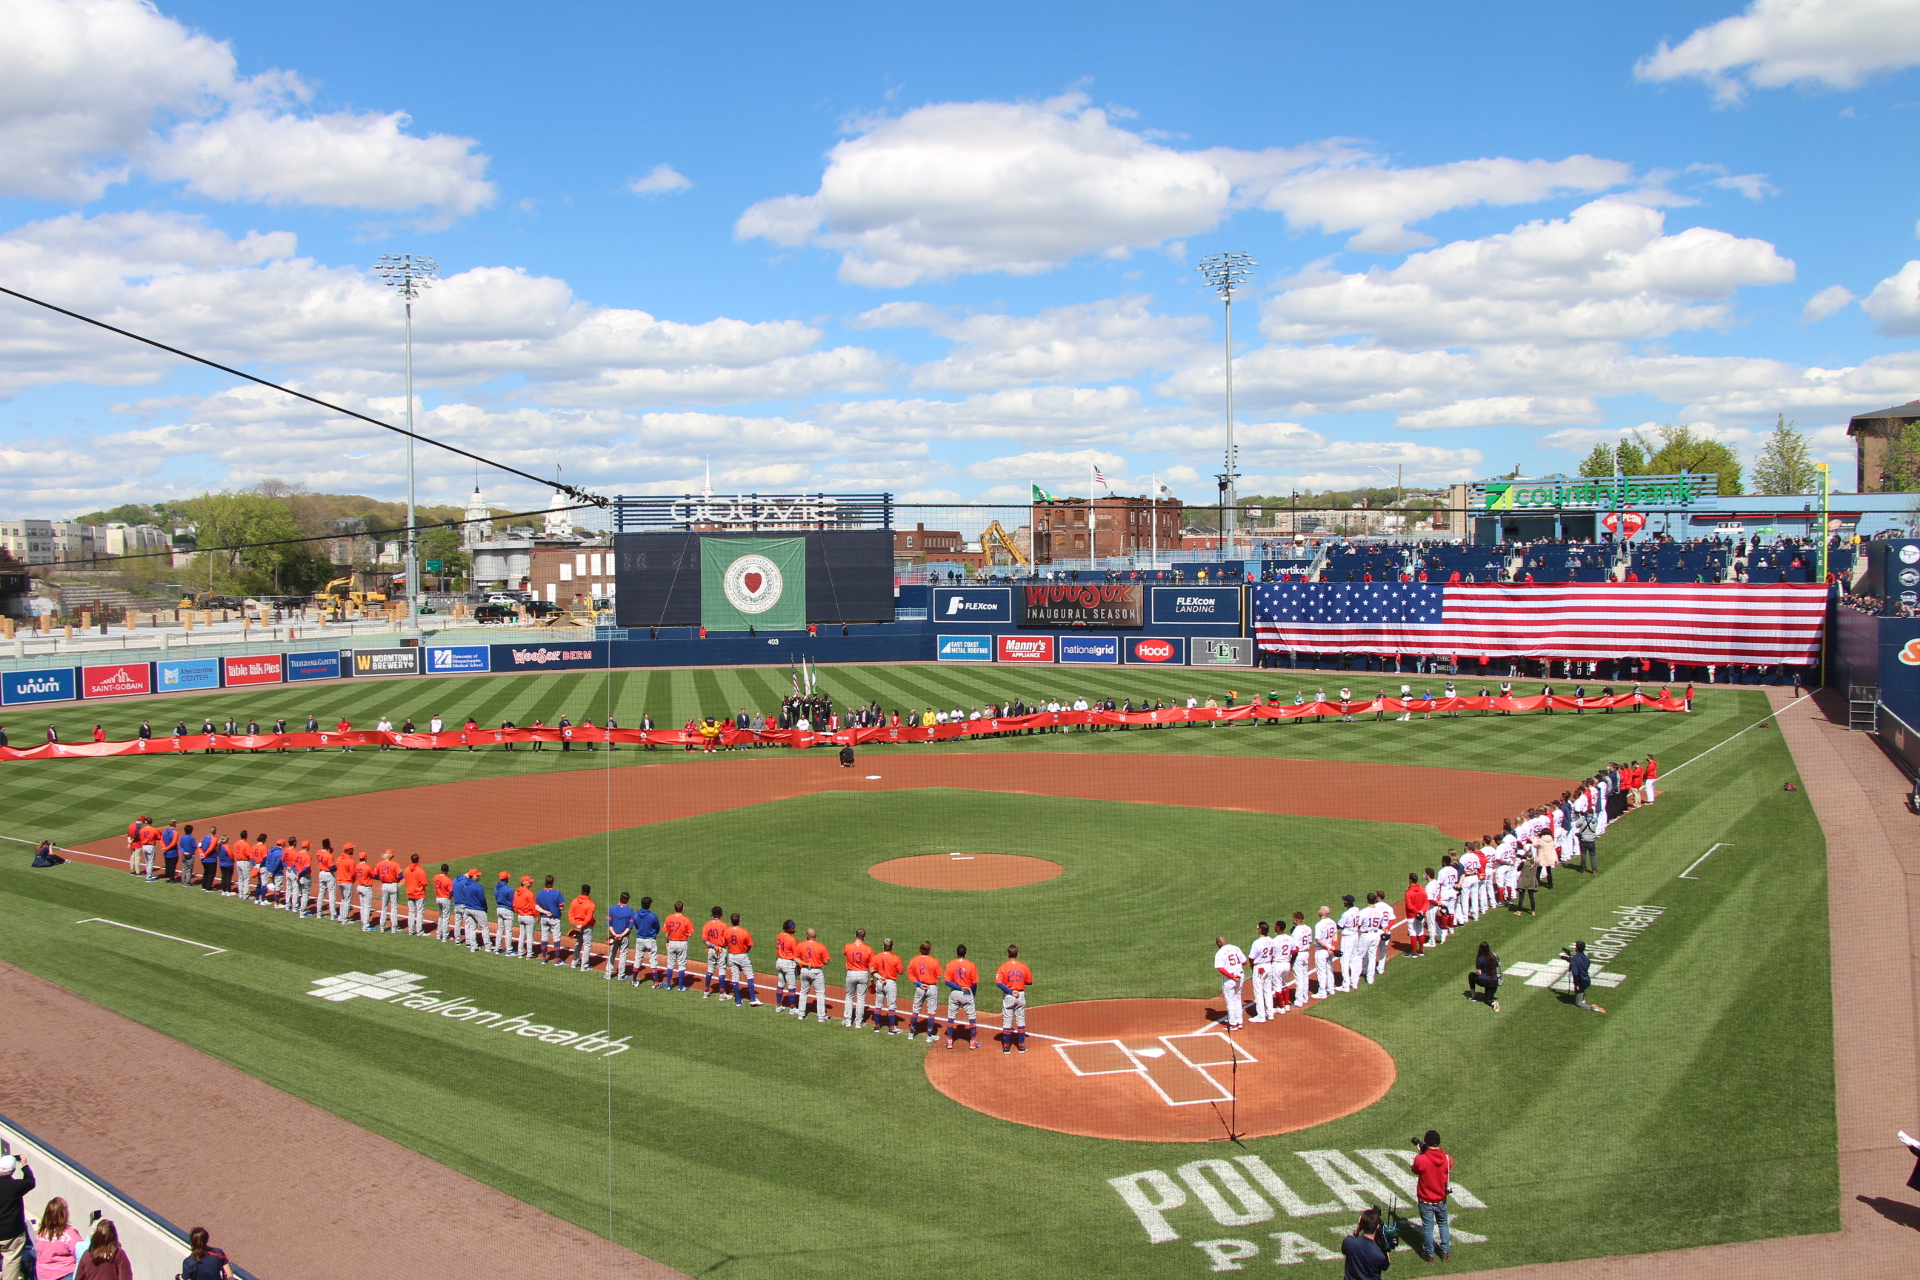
(1164, 1071)
(965, 871)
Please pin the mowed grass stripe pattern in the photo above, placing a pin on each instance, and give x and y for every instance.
(76, 800)
(745, 1145)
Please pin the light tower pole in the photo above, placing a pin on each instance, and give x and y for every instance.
(1226, 272)
(410, 274)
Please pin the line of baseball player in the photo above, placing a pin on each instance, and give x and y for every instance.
(390, 897)
(1292, 965)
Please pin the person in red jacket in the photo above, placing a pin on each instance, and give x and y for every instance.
(1414, 907)
(1433, 1180)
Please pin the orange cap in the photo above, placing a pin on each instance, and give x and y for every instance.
(506, 875)
(474, 872)
(347, 848)
(389, 853)
(526, 880)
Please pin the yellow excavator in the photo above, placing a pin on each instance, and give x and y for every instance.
(338, 594)
(994, 533)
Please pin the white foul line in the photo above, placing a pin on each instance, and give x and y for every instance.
(210, 949)
(1697, 861)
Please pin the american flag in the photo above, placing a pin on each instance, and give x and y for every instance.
(1693, 623)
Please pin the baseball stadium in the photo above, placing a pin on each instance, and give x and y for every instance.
(349, 1090)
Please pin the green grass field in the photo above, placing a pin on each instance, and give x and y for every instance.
(737, 1143)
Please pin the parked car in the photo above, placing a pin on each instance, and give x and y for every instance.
(494, 613)
(542, 609)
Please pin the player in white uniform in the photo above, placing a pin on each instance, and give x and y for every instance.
(1266, 955)
(1469, 885)
(1326, 941)
(1383, 912)
(1350, 965)
(1369, 921)
(1231, 964)
(1286, 949)
(1302, 958)
(1432, 886)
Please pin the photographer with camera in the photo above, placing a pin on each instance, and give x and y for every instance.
(1580, 968)
(1365, 1250)
(1433, 1182)
(16, 1180)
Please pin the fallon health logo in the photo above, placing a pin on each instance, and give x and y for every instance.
(400, 988)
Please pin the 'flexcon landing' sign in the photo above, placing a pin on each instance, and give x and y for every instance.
(1081, 604)
(1187, 606)
(54, 684)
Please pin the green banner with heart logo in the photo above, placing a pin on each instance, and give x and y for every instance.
(753, 582)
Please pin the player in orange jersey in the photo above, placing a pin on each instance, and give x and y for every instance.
(714, 934)
(859, 957)
(388, 872)
(740, 962)
(678, 929)
(963, 978)
(887, 968)
(526, 913)
(1013, 978)
(786, 968)
(324, 860)
(343, 895)
(443, 903)
(581, 915)
(365, 877)
(813, 962)
(416, 882)
(924, 972)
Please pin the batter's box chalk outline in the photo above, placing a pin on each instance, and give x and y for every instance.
(1140, 1062)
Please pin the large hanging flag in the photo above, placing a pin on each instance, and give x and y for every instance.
(1680, 622)
(753, 582)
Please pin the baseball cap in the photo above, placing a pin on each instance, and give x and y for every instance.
(1347, 898)
(526, 880)
(504, 875)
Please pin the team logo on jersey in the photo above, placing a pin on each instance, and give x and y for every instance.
(752, 584)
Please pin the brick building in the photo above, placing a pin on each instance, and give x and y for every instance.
(1121, 526)
(920, 544)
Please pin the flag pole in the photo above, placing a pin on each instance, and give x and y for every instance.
(1826, 497)
(1153, 517)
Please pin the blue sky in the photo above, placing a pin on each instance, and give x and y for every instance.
(946, 254)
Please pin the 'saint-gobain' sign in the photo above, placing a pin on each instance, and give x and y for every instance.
(740, 510)
(1602, 491)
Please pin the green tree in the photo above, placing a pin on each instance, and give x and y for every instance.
(444, 545)
(1901, 471)
(1683, 449)
(1599, 462)
(1631, 456)
(1784, 465)
(235, 519)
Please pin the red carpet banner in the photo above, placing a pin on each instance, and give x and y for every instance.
(725, 734)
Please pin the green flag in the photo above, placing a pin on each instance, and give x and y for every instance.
(753, 582)
(1040, 495)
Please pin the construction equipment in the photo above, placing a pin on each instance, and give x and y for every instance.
(995, 533)
(354, 589)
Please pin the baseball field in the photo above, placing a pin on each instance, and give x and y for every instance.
(734, 1142)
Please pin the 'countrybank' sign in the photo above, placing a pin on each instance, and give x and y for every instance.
(398, 987)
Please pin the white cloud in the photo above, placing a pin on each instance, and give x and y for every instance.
(661, 180)
(958, 188)
(358, 160)
(1895, 301)
(1115, 338)
(1832, 299)
(250, 300)
(1503, 411)
(92, 91)
(1604, 273)
(1835, 43)
(1050, 413)
(1380, 201)
(1052, 467)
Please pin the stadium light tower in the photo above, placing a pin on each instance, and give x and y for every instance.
(410, 275)
(1226, 272)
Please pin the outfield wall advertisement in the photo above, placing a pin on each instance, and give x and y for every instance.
(1156, 651)
(973, 606)
(1097, 650)
(313, 666)
(179, 675)
(1016, 648)
(1105, 605)
(964, 649)
(118, 680)
(1221, 651)
(386, 662)
(51, 684)
(458, 659)
(262, 668)
(1196, 606)
(561, 656)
